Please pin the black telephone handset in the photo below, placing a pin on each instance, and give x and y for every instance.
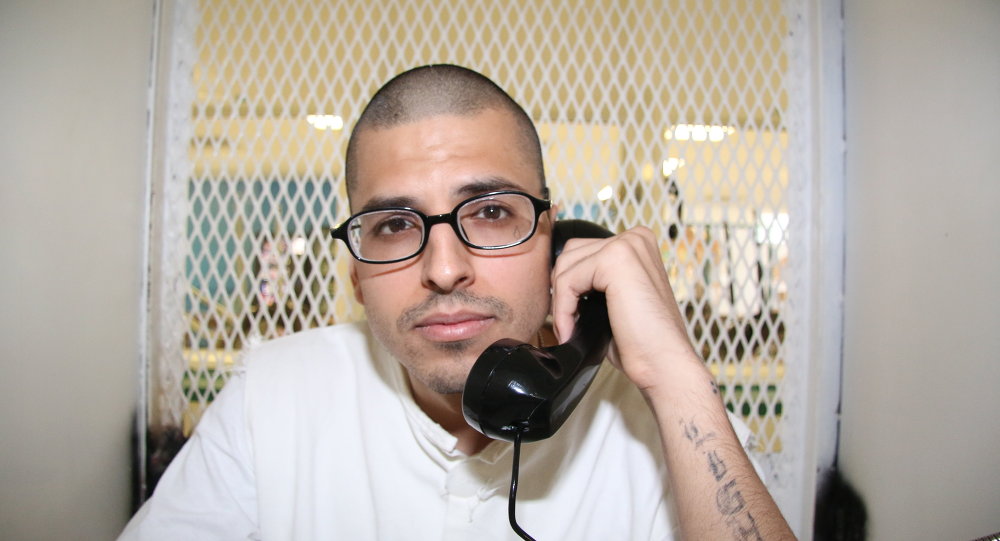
(515, 388)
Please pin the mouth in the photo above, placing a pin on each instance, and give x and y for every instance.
(454, 327)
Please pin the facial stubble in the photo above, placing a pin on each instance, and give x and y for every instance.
(443, 366)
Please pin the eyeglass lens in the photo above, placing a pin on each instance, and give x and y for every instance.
(492, 221)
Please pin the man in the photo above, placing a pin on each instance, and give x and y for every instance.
(356, 431)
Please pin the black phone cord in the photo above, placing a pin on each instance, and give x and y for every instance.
(513, 491)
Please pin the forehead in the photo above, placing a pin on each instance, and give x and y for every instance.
(442, 158)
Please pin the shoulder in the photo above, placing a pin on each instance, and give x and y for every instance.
(314, 359)
(611, 418)
(308, 348)
(628, 412)
(623, 400)
(343, 335)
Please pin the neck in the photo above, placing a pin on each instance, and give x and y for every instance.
(446, 410)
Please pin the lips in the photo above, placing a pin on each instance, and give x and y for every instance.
(453, 327)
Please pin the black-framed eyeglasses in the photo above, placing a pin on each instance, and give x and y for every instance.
(491, 221)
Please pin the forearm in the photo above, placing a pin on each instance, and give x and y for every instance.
(716, 489)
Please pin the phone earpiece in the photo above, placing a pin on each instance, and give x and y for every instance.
(563, 230)
(515, 388)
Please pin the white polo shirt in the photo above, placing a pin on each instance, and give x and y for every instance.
(319, 438)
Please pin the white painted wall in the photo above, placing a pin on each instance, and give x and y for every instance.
(921, 392)
(73, 79)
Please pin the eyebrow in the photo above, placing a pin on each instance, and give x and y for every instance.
(485, 185)
(473, 188)
(377, 203)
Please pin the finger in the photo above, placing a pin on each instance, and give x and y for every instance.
(574, 250)
(627, 267)
(627, 249)
(572, 276)
(597, 264)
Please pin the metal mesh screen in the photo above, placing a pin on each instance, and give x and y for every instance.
(670, 114)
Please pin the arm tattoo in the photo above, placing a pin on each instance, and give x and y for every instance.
(729, 500)
(744, 527)
(694, 435)
(716, 464)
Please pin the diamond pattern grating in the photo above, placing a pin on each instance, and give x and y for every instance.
(669, 114)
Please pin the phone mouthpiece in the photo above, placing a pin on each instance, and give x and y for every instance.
(516, 388)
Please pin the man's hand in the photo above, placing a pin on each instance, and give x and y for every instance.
(718, 493)
(646, 323)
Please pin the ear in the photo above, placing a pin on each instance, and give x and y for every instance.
(356, 283)
(553, 212)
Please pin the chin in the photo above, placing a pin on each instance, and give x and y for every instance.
(446, 372)
(446, 386)
(442, 381)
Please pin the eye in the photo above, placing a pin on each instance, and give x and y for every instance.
(491, 211)
(394, 225)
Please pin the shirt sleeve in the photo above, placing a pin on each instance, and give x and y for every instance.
(208, 491)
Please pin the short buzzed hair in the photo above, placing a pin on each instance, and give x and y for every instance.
(439, 89)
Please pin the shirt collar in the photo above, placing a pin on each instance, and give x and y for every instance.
(437, 442)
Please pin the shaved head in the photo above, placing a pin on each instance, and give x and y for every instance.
(434, 90)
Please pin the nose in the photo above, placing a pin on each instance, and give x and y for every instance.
(446, 264)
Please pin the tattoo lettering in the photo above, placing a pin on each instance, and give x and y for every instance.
(694, 435)
(728, 499)
(744, 527)
(717, 465)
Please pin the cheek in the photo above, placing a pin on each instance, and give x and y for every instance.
(386, 293)
(356, 285)
(526, 290)
(533, 286)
